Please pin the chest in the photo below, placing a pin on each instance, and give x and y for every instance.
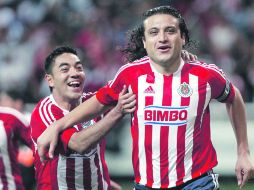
(171, 97)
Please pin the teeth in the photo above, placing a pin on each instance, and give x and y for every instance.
(74, 84)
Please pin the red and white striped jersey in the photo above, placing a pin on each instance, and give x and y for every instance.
(14, 128)
(68, 169)
(171, 125)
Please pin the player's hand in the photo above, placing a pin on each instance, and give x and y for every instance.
(47, 141)
(126, 101)
(244, 169)
(187, 56)
(115, 186)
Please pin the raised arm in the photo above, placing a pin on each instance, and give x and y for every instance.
(85, 111)
(87, 137)
(244, 165)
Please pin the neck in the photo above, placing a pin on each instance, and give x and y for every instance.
(166, 68)
(66, 104)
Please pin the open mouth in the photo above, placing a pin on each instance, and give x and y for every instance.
(74, 84)
(164, 48)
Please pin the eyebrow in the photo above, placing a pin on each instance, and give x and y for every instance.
(64, 63)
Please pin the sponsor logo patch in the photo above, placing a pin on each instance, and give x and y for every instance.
(165, 115)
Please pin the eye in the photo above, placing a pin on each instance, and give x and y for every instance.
(153, 32)
(80, 67)
(171, 30)
(64, 69)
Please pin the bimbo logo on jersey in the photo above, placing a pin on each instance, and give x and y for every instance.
(165, 115)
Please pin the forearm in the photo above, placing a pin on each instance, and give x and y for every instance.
(85, 111)
(237, 114)
(82, 140)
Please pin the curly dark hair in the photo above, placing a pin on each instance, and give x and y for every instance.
(135, 49)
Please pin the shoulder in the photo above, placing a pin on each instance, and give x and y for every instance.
(86, 95)
(143, 62)
(42, 103)
(136, 67)
(203, 66)
(46, 107)
(13, 114)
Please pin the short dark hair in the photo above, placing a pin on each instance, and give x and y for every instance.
(50, 59)
(135, 49)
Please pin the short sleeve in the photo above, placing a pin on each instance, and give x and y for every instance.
(108, 95)
(222, 88)
(65, 138)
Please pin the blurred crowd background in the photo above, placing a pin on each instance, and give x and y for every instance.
(29, 29)
(222, 31)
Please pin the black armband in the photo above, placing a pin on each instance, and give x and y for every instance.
(224, 95)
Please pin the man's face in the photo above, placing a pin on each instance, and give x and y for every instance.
(67, 78)
(163, 41)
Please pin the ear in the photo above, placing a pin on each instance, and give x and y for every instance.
(50, 80)
(183, 40)
(144, 42)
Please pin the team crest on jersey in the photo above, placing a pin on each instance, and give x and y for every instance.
(185, 90)
(86, 124)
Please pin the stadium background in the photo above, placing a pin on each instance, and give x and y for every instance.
(223, 31)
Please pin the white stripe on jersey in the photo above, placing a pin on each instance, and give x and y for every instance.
(141, 130)
(94, 172)
(79, 175)
(4, 153)
(157, 100)
(61, 172)
(104, 181)
(172, 139)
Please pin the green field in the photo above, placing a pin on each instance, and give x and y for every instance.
(226, 183)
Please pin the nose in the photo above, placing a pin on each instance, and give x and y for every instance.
(74, 72)
(162, 37)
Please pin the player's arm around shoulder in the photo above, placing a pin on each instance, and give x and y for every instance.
(81, 141)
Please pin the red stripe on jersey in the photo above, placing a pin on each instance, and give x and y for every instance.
(135, 149)
(211, 67)
(70, 174)
(185, 101)
(148, 146)
(53, 174)
(135, 146)
(198, 136)
(164, 134)
(87, 174)
(134, 64)
(96, 161)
